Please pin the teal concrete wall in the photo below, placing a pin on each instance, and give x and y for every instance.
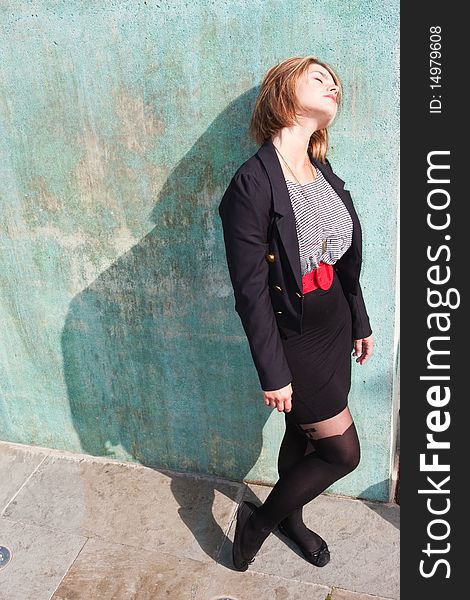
(121, 126)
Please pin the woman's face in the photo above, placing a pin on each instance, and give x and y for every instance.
(317, 94)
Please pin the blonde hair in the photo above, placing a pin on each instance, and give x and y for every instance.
(277, 104)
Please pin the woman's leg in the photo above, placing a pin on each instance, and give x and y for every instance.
(337, 453)
(295, 445)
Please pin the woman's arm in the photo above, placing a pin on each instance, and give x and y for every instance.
(360, 319)
(244, 210)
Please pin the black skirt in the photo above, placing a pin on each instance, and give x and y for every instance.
(320, 358)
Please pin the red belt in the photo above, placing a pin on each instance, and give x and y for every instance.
(321, 277)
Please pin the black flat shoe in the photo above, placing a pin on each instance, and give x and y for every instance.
(244, 512)
(319, 558)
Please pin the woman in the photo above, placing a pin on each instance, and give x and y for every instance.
(294, 253)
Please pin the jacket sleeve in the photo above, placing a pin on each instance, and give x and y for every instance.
(360, 319)
(244, 210)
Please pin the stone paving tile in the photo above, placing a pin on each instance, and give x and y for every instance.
(117, 572)
(338, 594)
(40, 557)
(180, 514)
(364, 546)
(252, 585)
(16, 465)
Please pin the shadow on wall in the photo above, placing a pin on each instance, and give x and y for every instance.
(156, 360)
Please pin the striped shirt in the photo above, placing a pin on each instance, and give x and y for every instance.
(330, 220)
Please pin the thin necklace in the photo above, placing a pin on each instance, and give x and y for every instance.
(323, 241)
(285, 162)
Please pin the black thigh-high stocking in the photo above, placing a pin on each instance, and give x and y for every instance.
(334, 457)
(294, 446)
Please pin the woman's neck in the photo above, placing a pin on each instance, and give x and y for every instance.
(293, 146)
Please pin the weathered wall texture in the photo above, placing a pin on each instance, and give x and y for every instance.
(121, 125)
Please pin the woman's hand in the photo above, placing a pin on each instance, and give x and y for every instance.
(363, 347)
(280, 399)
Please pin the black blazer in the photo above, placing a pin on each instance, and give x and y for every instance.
(264, 263)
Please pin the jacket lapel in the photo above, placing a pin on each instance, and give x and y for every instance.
(283, 207)
(338, 185)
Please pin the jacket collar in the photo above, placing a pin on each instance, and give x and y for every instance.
(282, 204)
